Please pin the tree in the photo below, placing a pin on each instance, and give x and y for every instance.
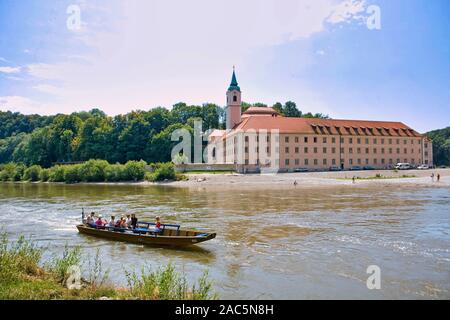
(290, 110)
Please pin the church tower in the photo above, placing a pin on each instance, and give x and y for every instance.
(233, 111)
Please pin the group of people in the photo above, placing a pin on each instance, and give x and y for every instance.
(128, 221)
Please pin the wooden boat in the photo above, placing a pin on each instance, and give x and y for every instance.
(170, 234)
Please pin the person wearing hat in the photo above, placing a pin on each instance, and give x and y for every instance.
(99, 222)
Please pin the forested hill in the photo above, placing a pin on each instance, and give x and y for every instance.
(80, 136)
(441, 146)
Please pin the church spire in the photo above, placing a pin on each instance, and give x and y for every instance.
(234, 84)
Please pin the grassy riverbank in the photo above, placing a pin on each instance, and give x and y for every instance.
(24, 277)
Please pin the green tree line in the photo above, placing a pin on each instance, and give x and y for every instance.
(90, 171)
(81, 136)
(441, 146)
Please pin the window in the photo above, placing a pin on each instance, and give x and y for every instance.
(382, 150)
(374, 150)
(315, 149)
(390, 141)
(350, 150)
(324, 150)
(342, 150)
(234, 98)
(286, 149)
(382, 141)
(350, 140)
(333, 150)
(286, 139)
(324, 162)
(324, 140)
(286, 162)
(297, 162)
(246, 138)
(342, 140)
(246, 149)
(315, 162)
(350, 161)
(359, 161)
(333, 140)
(367, 140)
(367, 150)
(358, 150)
(333, 162)
(367, 161)
(306, 149)
(390, 150)
(296, 139)
(305, 139)
(374, 141)
(382, 161)
(405, 151)
(375, 161)
(297, 150)
(306, 162)
(315, 139)
(358, 140)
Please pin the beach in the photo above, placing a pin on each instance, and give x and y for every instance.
(316, 179)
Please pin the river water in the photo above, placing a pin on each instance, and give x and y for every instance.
(282, 244)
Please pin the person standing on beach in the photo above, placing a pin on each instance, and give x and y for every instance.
(432, 177)
(438, 177)
(353, 179)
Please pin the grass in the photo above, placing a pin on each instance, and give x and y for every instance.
(24, 278)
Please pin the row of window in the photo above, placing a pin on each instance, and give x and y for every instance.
(333, 150)
(287, 139)
(334, 162)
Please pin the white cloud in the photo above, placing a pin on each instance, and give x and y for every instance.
(21, 104)
(10, 69)
(148, 53)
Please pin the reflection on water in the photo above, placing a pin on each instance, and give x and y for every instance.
(289, 244)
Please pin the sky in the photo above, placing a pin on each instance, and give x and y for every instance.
(350, 59)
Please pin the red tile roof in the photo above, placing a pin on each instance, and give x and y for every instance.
(327, 126)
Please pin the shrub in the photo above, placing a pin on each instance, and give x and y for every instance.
(44, 175)
(72, 174)
(115, 173)
(32, 173)
(18, 172)
(93, 170)
(57, 174)
(164, 171)
(135, 170)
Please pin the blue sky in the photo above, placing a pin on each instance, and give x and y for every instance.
(140, 54)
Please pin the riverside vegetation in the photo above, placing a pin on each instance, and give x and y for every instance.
(25, 278)
(90, 171)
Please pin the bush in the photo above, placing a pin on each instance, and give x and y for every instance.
(72, 174)
(135, 170)
(57, 174)
(44, 175)
(93, 170)
(115, 173)
(32, 173)
(164, 171)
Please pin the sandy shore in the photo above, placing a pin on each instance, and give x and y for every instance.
(315, 179)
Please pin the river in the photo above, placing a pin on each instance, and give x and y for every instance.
(277, 244)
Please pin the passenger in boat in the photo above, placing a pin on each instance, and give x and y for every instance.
(100, 222)
(90, 220)
(134, 221)
(158, 224)
(112, 222)
(128, 221)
